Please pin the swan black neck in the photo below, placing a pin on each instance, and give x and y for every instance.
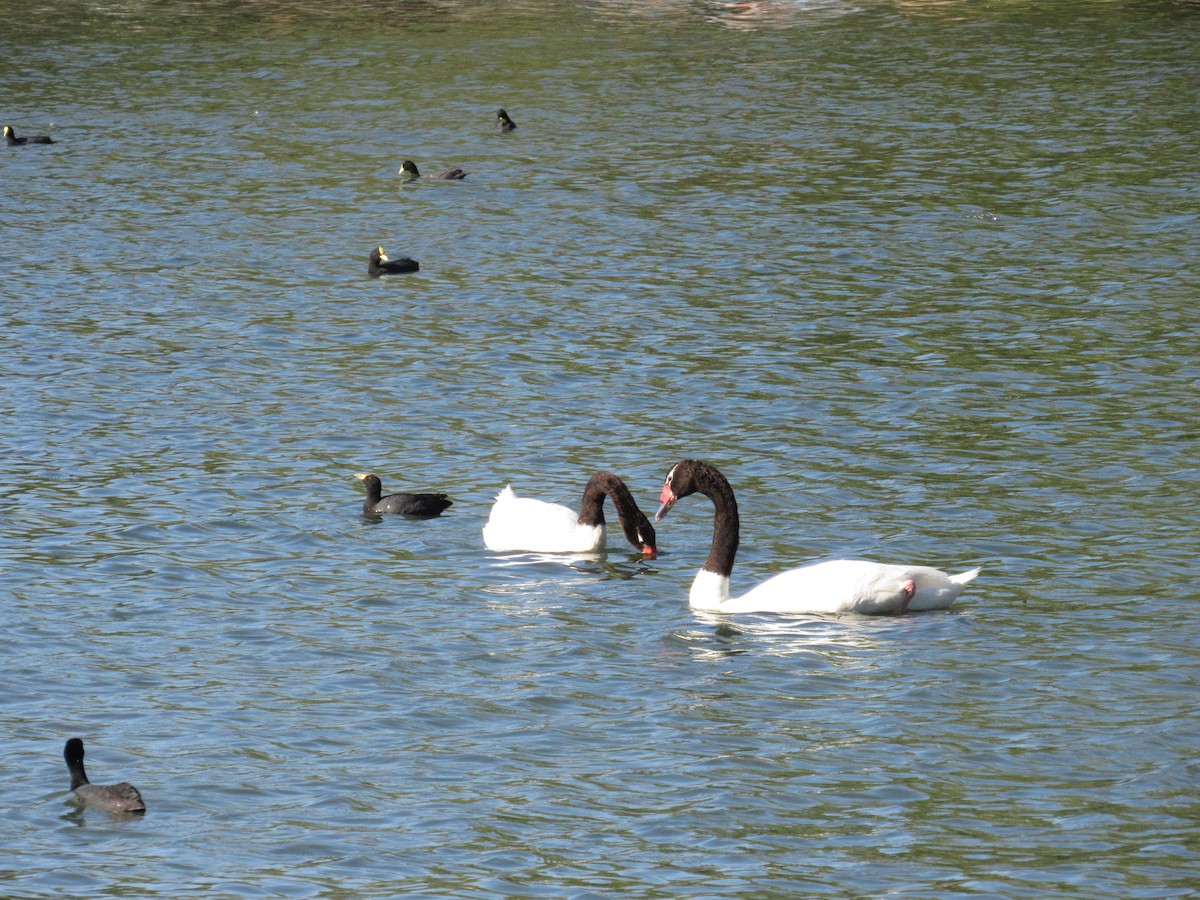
(696, 476)
(637, 528)
(73, 754)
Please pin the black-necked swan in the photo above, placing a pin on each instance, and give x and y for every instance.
(521, 524)
(424, 506)
(837, 586)
(117, 798)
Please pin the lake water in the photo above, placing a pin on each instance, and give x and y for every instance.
(920, 277)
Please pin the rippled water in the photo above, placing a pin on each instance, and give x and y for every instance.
(920, 278)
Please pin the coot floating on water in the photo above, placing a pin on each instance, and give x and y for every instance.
(421, 505)
(410, 172)
(117, 798)
(10, 138)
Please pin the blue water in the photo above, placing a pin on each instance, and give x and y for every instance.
(919, 278)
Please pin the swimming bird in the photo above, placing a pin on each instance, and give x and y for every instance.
(503, 122)
(424, 506)
(379, 264)
(837, 586)
(117, 798)
(10, 138)
(409, 172)
(535, 526)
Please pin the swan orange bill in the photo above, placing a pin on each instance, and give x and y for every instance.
(667, 498)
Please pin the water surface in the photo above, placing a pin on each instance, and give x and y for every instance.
(920, 278)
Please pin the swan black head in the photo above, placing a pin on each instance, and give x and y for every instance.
(640, 533)
(683, 480)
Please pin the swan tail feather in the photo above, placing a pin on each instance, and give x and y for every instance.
(965, 577)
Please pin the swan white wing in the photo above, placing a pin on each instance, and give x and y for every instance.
(837, 586)
(840, 586)
(519, 524)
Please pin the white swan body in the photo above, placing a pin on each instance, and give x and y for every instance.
(521, 524)
(524, 524)
(837, 586)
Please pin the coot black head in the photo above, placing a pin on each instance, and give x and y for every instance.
(73, 754)
(372, 485)
(503, 122)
